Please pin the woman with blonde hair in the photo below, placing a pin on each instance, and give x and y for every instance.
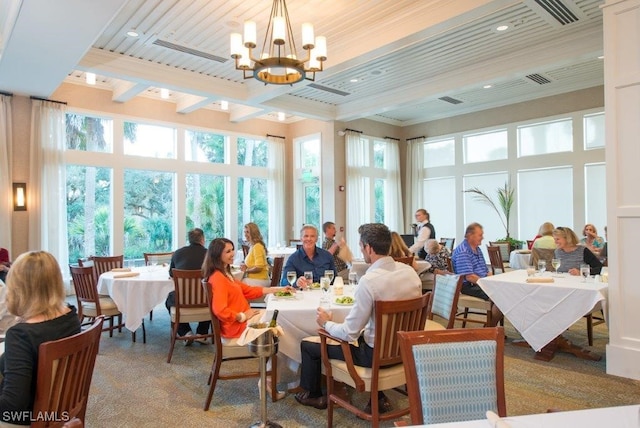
(398, 247)
(35, 293)
(255, 265)
(591, 239)
(545, 237)
(572, 254)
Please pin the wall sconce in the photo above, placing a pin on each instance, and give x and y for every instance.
(19, 196)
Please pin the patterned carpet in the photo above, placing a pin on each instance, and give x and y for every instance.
(133, 386)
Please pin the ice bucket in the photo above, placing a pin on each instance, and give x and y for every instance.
(264, 345)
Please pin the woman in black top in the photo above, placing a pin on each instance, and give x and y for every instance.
(35, 293)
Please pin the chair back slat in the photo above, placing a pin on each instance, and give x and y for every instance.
(105, 264)
(65, 369)
(406, 260)
(470, 359)
(444, 298)
(158, 258)
(276, 271)
(546, 254)
(394, 316)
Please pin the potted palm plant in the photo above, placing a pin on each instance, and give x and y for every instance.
(506, 197)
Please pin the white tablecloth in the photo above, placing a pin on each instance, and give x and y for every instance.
(136, 296)
(360, 267)
(282, 251)
(298, 319)
(518, 260)
(542, 311)
(620, 417)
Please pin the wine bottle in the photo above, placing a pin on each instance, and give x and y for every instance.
(272, 323)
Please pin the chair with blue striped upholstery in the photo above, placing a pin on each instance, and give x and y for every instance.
(454, 375)
(444, 301)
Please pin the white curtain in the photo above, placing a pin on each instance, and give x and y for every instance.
(6, 203)
(358, 195)
(46, 192)
(275, 191)
(393, 213)
(415, 177)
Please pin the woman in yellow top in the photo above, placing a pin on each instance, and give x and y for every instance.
(255, 265)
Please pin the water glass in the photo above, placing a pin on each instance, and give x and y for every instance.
(585, 271)
(291, 277)
(353, 279)
(308, 277)
(542, 266)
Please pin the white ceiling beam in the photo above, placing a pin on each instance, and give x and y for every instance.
(188, 103)
(124, 91)
(241, 113)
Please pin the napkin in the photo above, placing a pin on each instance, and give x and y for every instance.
(495, 421)
(126, 274)
(543, 279)
(121, 270)
(249, 334)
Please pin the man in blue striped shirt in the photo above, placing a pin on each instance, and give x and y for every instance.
(468, 262)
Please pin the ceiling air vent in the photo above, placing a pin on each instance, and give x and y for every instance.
(538, 78)
(450, 100)
(188, 50)
(558, 10)
(328, 89)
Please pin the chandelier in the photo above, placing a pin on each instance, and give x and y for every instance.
(278, 63)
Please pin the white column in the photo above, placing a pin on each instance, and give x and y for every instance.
(622, 107)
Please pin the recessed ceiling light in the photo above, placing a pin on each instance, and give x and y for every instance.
(502, 27)
(224, 105)
(132, 33)
(164, 93)
(488, 86)
(281, 116)
(353, 80)
(91, 78)
(601, 57)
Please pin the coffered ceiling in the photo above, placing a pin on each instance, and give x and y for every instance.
(414, 60)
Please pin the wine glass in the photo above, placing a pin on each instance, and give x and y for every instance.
(585, 271)
(542, 266)
(308, 276)
(329, 274)
(291, 277)
(556, 264)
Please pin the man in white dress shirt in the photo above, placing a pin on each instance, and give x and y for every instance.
(385, 280)
(426, 231)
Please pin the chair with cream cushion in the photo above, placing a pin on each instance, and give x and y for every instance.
(444, 301)
(386, 371)
(454, 375)
(229, 353)
(105, 264)
(190, 305)
(91, 305)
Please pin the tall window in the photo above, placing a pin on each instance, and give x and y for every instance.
(485, 147)
(545, 138)
(307, 181)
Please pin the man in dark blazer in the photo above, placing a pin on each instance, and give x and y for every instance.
(189, 257)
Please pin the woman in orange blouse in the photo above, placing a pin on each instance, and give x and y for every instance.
(230, 296)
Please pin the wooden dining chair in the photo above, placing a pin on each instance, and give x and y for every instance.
(386, 371)
(92, 305)
(65, 369)
(276, 271)
(191, 305)
(105, 264)
(245, 250)
(444, 301)
(594, 317)
(495, 259)
(546, 254)
(454, 375)
(505, 249)
(406, 260)
(229, 353)
(157, 258)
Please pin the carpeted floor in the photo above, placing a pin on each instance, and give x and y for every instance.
(133, 386)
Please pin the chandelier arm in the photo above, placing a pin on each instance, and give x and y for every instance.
(292, 41)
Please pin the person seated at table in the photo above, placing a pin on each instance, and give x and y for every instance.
(255, 265)
(230, 296)
(331, 245)
(359, 325)
(398, 246)
(545, 240)
(591, 239)
(468, 261)
(437, 256)
(189, 257)
(5, 264)
(6, 319)
(36, 294)
(308, 258)
(572, 254)
(604, 252)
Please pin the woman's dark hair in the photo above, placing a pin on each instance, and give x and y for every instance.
(213, 259)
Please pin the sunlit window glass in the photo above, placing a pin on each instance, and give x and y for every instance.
(205, 204)
(485, 147)
(149, 140)
(205, 147)
(89, 133)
